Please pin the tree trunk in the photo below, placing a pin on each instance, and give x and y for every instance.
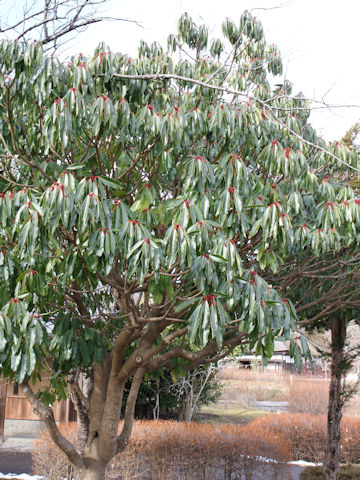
(93, 471)
(332, 448)
(156, 409)
(188, 404)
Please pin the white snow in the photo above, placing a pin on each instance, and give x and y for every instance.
(20, 476)
(302, 463)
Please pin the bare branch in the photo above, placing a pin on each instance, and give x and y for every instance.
(57, 19)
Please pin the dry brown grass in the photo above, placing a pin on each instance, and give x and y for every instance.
(352, 406)
(179, 451)
(306, 435)
(47, 458)
(347, 472)
(161, 450)
(309, 396)
(245, 387)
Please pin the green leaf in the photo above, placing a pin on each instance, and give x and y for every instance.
(75, 166)
(22, 370)
(185, 304)
(216, 331)
(111, 182)
(194, 322)
(255, 228)
(140, 204)
(23, 234)
(15, 360)
(84, 349)
(31, 360)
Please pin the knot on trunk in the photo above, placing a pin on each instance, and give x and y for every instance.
(70, 379)
(49, 415)
(138, 359)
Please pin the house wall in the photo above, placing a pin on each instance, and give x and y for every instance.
(18, 408)
(16, 414)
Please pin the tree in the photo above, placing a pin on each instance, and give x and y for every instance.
(52, 21)
(198, 387)
(162, 395)
(325, 292)
(351, 135)
(140, 201)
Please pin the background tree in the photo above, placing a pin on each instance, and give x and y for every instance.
(351, 135)
(140, 200)
(154, 399)
(198, 387)
(325, 292)
(162, 395)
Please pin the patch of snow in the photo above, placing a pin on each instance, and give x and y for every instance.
(265, 459)
(20, 476)
(302, 463)
(299, 463)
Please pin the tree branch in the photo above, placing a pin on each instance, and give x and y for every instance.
(47, 416)
(123, 438)
(196, 358)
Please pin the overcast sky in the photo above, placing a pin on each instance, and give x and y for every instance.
(319, 41)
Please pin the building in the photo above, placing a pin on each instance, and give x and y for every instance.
(17, 416)
(279, 362)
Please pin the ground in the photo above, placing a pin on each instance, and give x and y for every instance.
(15, 462)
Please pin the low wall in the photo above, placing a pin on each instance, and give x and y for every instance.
(23, 428)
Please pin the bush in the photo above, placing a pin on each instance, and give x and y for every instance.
(307, 434)
(170, 450)
(48, 459)
(167, 450)
(347, 472)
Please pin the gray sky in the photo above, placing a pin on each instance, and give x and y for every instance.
(319, 41)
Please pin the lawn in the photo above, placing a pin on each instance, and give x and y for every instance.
(227, 413)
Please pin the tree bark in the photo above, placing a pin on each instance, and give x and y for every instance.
(82, 415)
(93, 471)
(332, 448)
(188, 404)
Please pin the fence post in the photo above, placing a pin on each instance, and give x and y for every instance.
(3, 389)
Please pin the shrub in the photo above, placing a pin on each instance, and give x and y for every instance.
(48, 459)
(306, 435)
(347, 472)
(171, 450)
